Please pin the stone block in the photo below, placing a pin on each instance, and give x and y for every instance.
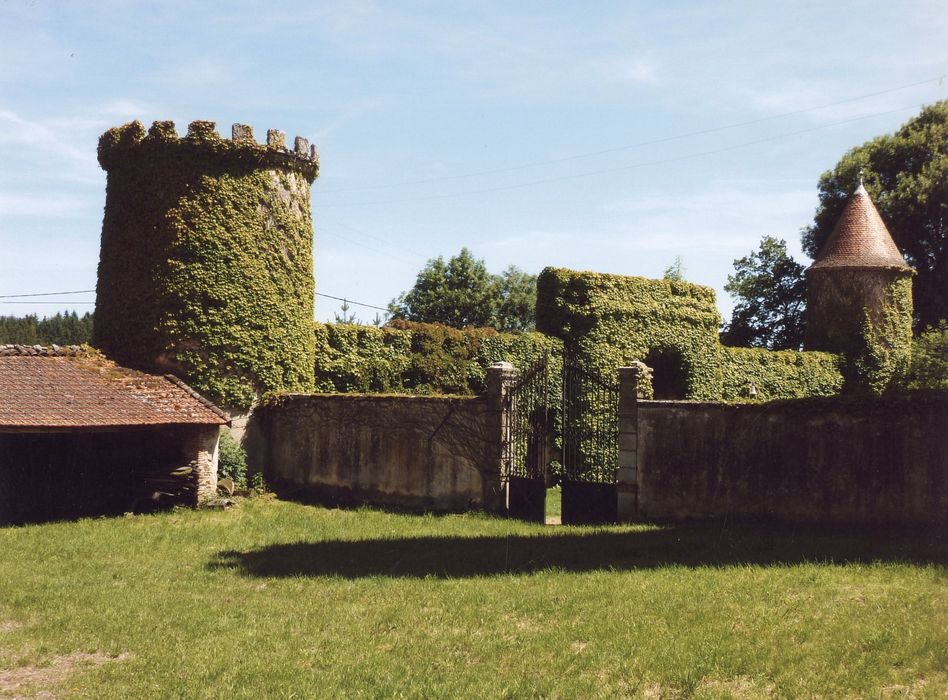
(276, 138)
(626, 507)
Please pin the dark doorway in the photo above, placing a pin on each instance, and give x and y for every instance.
(669, 374)
(57, 476)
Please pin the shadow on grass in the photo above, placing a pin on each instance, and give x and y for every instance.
(575, 550)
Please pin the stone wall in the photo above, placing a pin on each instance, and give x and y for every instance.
(417, 452)
(872, 460)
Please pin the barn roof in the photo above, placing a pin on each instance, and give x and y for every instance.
(860, 238)
(74, 388)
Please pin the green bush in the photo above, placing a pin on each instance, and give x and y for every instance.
(231, 460)
(929, 368)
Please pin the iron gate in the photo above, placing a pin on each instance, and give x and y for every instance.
(590, 438)
(574, 425)
(527, 440)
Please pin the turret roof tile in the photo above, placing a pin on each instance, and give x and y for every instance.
(860, 238)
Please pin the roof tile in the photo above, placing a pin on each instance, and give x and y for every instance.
(860, 238)
(68, 389)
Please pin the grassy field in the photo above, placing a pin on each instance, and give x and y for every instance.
(280, 600)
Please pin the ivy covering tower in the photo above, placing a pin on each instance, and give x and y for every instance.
(206, 263)
(859, 298)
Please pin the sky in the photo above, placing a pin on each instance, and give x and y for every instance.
(605, 136)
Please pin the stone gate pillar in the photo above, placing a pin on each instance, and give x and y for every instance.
(500, 377)
(634, 384)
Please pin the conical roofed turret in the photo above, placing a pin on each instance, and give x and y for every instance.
(860, 238)
(859, 298)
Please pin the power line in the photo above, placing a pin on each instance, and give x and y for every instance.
(64, 303)
(590, 173)
(44, 294)
(349, 301)
(332, 221)
(640, 144)
(69, 301)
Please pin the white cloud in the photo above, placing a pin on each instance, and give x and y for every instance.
(18, 131)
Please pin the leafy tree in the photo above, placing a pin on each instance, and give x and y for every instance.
(461, 292)
(770, 293)
(675, 271)
(906, 174)
(516, 308)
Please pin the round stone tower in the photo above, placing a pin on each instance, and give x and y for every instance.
(206, 262)
(859, 295)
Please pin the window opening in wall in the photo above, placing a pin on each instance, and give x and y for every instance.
(669, 374)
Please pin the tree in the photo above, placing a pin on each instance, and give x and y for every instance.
(62, 329)
(770, 293)
(461, 292)
(906, 174)
(345, 316)
(457, 293)
(675, 271)
(517, 292)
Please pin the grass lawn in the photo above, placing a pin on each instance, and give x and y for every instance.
(279, 600)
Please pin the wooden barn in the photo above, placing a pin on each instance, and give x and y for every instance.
(81, 436)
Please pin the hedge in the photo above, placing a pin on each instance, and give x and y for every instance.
(419, 358)
(780, 374)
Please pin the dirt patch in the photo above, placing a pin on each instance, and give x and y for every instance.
(906, 692)
(738, 687)
(41, 681)
(9, 626)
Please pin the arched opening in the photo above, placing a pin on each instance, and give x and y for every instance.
(669, 374)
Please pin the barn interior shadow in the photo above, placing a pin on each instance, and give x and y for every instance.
(579, 550)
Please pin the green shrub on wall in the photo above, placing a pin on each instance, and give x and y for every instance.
(782, 374)
(419, 358)
(206, 266)
(608, 321)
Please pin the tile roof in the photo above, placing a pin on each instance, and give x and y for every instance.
(860, 238)
(63, 388)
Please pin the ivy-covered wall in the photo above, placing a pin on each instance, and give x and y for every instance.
(206, 265)
(607, 321)
(419, 358)
(883, 358)
(781, 374)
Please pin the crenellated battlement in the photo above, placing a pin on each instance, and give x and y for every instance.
(119, 145)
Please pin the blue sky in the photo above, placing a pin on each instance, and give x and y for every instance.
(608, 136)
